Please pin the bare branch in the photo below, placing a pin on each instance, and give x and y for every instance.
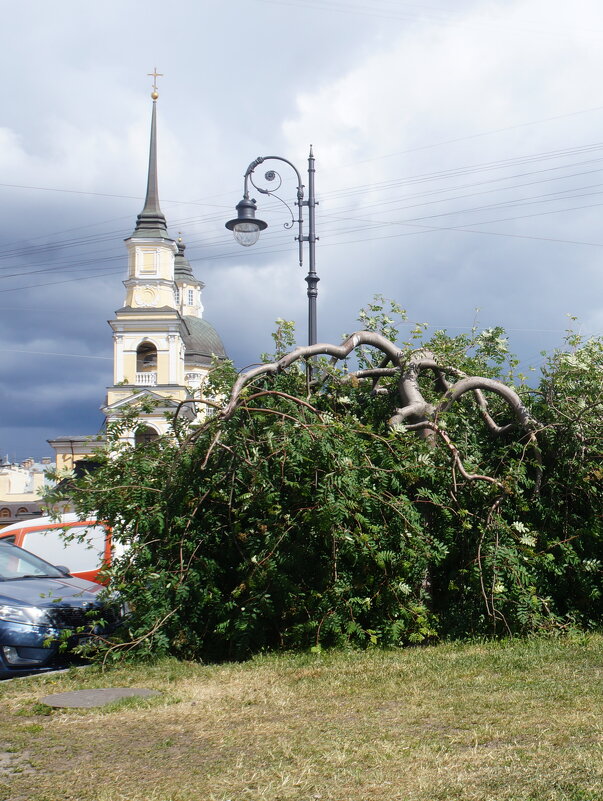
(338, 352)
(456, 457)
(474, 383)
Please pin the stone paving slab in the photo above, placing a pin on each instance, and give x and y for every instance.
(88, 699)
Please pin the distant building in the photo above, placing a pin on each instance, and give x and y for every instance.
(20, 489)
(162, 347)
(69, 450)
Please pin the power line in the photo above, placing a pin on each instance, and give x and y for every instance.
(371, 225)
(108, 236)
(436, 16)
(66, 281)
(97, 239)
(332, 223)
(46, 353)
(103, 194)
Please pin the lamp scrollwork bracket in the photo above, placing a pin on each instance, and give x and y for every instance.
(270, 176)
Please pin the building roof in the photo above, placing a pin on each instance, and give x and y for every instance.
(150, 223)
(202, 342)
(182, 268)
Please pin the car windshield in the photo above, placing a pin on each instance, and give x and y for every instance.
(15, 563)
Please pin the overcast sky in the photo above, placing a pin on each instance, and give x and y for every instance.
(459, 157)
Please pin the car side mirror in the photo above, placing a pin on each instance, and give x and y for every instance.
(64, 570)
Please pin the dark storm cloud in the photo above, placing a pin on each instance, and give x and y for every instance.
(406, 108)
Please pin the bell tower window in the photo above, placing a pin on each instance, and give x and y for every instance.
(191, 297)
(144, 434)
(146, 358)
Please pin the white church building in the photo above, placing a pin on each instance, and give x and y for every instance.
(163, 348)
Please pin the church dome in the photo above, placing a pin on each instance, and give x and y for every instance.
(201, 343)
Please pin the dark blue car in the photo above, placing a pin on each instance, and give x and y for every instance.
(42, 606)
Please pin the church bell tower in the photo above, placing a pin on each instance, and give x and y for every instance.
(162, 348)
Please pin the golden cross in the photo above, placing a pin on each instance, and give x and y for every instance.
(155, 75)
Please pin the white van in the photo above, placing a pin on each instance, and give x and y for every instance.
(85, 555)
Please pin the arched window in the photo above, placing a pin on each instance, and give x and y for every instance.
(22, 511)
(144, 434)
(146, 358)
(4, 513)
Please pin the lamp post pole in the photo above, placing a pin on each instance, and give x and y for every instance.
(311, 279)
(246, 228)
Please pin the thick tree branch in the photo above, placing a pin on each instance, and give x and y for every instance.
(415, 412)
(338, 352)
(474, 383)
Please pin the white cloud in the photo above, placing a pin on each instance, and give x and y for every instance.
(502, 66)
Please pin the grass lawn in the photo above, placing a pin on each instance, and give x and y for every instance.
(457, 722)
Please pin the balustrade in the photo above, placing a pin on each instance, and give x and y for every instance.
(146, 379)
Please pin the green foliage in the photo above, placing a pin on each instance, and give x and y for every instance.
(305, 522)
(568, 512)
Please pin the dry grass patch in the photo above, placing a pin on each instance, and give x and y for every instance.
(515, 721)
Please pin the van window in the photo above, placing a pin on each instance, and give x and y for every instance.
(78, 556)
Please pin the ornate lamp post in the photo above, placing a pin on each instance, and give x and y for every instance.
(246, 228)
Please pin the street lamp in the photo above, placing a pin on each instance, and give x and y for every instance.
(246, 228)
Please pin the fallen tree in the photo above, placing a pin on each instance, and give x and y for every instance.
(409, 494)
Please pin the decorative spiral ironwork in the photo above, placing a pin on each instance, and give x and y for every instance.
(273, 175)
(270, 175)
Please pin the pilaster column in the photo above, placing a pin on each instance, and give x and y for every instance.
(174, 358)
(118, 359)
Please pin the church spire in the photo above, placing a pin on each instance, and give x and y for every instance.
(150, 223)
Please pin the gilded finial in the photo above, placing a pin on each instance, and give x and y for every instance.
(155, 75)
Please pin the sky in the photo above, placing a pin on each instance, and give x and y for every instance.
(459, 171)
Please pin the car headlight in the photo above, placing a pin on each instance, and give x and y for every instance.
(30, 615)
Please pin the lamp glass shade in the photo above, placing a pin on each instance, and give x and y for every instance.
(246, 233)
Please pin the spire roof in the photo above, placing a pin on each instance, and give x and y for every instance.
(150, 222)
(182, 267)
